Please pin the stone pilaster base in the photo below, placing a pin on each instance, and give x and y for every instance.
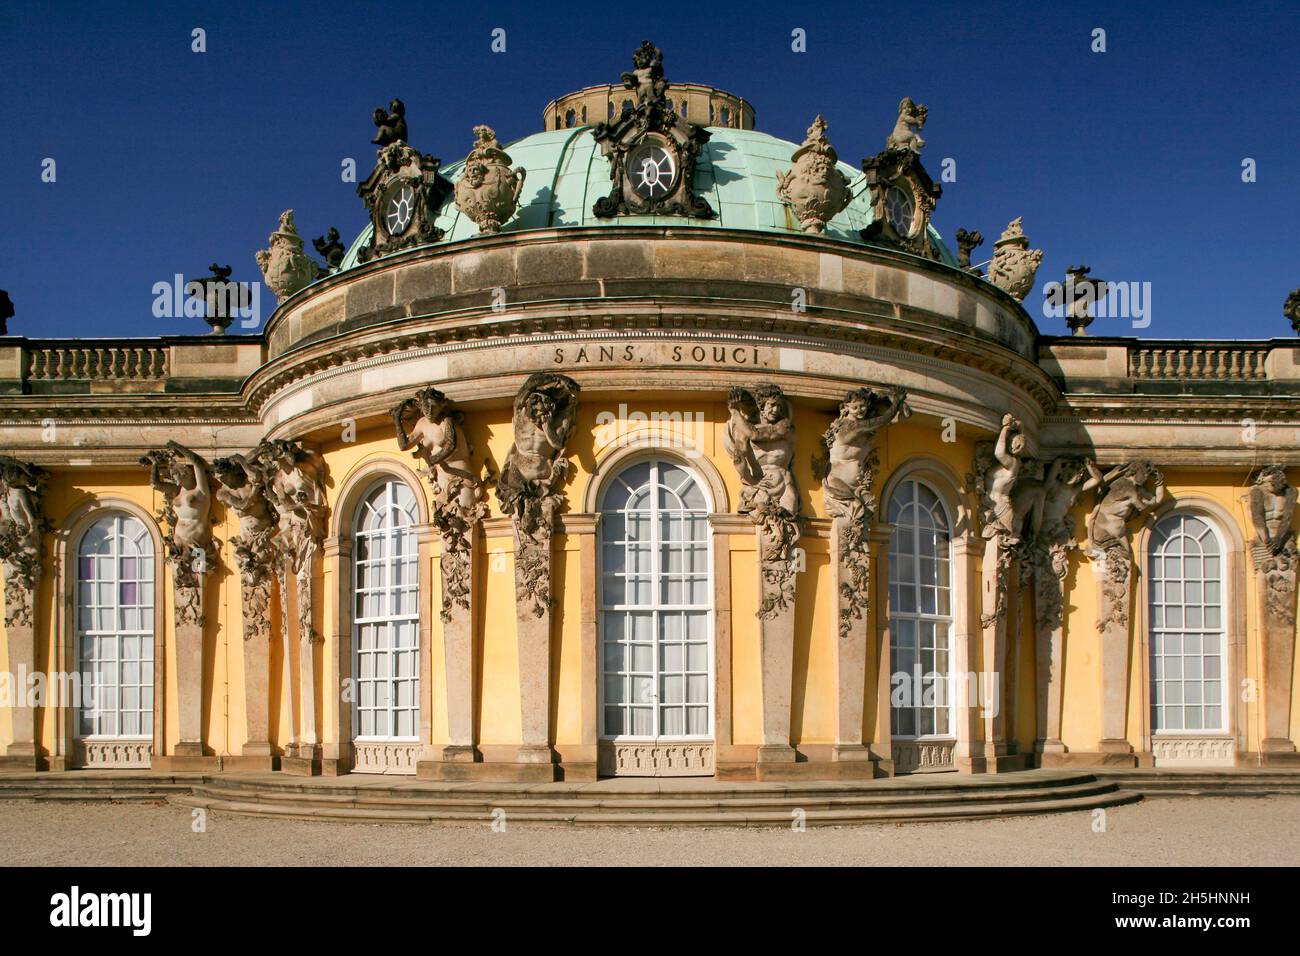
(1278, 752)
(185, 763)
(301, 760)
(22, 756)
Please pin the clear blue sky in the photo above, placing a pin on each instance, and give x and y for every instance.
(1129, 160)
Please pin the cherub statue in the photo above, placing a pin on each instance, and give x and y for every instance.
(760, 440)
(906, 134)
(1124, 496)
(647, 77)
(1272, 507)
(330, 248)
(391, 124)
(545, 414)
(967, 242)
(222, 273)
(181, 477)
(850, 443)
(435, 429)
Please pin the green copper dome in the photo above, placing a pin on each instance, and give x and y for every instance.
(736, 172)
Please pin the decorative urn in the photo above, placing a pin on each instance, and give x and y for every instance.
(813, 187)
(285, 267)
(1014, 264)
(488, 190)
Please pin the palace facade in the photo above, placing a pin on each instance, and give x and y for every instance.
(648, 444)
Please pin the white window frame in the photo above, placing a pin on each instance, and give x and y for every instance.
(386, 484)
(1153, 631)
(146, 635)
(655, 461)
(919, 617)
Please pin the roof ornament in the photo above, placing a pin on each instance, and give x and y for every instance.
(813, 187)
(331, 250)
(1014, 264)
(1290, 308)
(1081, 293)
(651, 150)
(906, 134)
(286, 269)
(6, 311)
(488, 191)
(221, 296)
(404, 191)
(903, 195)
(968, 242)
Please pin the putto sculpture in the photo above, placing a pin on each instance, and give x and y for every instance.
(488, 191)
(22, 489)
(242, 490)
(391, 124)
(647, 75)
(813, 187)
(1015, 265)
(331, 249)
(530, 488)
(847, 474)
(430, 424)
(285, 267)
(181, 477)
(907, 130)
(759, 437)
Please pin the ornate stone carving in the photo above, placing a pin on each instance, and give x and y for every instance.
(967, 242)
(285, 267)
(22, 488)
(999, 468)
(294, 484)
(530, 488)
(1272, 507)
(906, 134)
(181, 477)
(220, 295)
(651, 149)
(1290, 309)
(242, 489)
(1050, 493)
(813, 187)
(431, 425)
(903, 195)
(1124, 495)
(488, 191)
(1015, 265)
(404, 191)
(760, 440)
(846, 471)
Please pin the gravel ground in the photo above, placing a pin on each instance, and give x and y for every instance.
(1163, 831)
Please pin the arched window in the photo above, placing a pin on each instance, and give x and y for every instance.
(1188, 633)
(684, 107)
(920, 613)
(656, 605)
(569, 118)
(115, 629)
(726, 116)
(386, 618)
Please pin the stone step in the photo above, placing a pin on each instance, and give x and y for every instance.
(668, 817)
(420, 801)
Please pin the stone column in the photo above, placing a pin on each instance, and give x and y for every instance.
(533, 635)
(851, 560)
(996, 573)
(307, 756)
(459, 571)
(20, 587)
(188, 594)
(1114, 570)
(776, 647)
(968, 753)
(1049, 634)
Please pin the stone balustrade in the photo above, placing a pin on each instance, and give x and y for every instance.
(96, 363)
(1227, 362)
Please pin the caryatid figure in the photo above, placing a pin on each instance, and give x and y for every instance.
(850, 447)
(295, 484)
(760, 440)
(189, 498)
(431, 425)
(545, 414)
(241, 490)
(22, 486)
(1272, 507)
(1124, 496)
(1001, 480)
